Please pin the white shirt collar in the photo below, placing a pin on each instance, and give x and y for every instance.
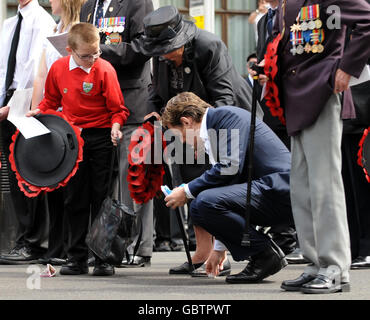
(203, 134)
(73, 65)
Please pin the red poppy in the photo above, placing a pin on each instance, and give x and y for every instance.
(360, 159)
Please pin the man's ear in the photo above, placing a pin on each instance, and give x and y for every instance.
(186, 121)
(69, 49)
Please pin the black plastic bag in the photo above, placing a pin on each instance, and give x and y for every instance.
(110, 233)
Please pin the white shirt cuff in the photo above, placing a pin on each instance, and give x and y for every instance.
(219, 246)
(188, 193)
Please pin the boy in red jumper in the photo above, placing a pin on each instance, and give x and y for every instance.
(87, 89)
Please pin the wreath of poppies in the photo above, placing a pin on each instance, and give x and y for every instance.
(144, 177)
(32, 191)
(271, 70)
(360, 159)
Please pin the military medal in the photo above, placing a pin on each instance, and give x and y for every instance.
(300, 48)
(110, 25)
(293, 40)
(320, 47)
(318, 22)
(307, 47)
(303, 17)
(311, 23)
(121, 27)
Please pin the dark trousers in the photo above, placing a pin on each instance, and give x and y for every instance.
(220, 211)
(85, 192)
(357, 192)
(58, 229)
(30, 212)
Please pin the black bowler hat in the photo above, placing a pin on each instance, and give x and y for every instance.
(165, 30)
(46, 162)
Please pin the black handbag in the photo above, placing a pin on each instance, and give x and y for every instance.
(111, 231)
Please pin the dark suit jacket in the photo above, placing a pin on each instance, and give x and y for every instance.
(212, 75)
(308, 80)
(262, 39)
(271, 159)
(133, 69)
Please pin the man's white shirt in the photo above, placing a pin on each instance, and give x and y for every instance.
(36, 25)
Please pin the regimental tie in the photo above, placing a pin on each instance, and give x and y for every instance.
(270, 20)
(99, 13)
(307, 34)
(12, 54)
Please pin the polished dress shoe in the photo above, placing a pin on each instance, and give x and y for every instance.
(261, 265)
(361, 263)
(185, 268)
(296, 284)
(102, 269)
(73, 268)
(200, 272)
(177, 246)
(296, 257)
(324, 284)
(136, 262)
(52, 261)
(22, 255)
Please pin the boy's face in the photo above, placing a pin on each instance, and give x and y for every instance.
(85, 54)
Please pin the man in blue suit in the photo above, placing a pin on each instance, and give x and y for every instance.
(220, 193)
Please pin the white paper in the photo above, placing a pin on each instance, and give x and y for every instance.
(59, 42)
(19, 106)
(365, 76)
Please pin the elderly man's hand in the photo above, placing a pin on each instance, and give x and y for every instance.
(4, 113)
(177, 198)
(341, 81)
(155, 114)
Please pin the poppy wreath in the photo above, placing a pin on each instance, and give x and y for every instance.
(271, 70)
(360, 159)
(31, 190)
(144, 177)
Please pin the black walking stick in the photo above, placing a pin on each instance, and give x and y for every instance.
(178, 213)
(246, 237)
(177, 181)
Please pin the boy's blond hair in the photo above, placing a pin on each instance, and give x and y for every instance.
(185, 104)
(82, 32)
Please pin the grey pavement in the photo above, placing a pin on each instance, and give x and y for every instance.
(155, 283)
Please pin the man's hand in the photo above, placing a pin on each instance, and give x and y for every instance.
(177, 198)
(341, 81)
(4, 113)
(32, 113)
(215, 262)
(116, 134)
(153, 114)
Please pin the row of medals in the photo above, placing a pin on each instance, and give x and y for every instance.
(305, 26)
(112, 29)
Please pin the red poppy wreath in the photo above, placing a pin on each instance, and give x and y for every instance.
(363, 155)
(271, 70)
(144, 177)
(46, 162)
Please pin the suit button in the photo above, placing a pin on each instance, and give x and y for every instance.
(293, 72)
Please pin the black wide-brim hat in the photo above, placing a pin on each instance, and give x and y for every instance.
(165, 30)
(46, 162)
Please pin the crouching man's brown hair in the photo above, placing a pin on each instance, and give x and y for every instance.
(185, 104)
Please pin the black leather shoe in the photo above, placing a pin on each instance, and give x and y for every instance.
(52, 261)
(163, 246)
(361, 263)
(136, 262)
(74, 268)
(23, 255)
(323, 284)
(185, 268)
(296, 284)
(103, 269)
(224, 272)
(296, 257)
(262, 265)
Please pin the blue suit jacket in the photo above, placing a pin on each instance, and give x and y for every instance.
(271, 159)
